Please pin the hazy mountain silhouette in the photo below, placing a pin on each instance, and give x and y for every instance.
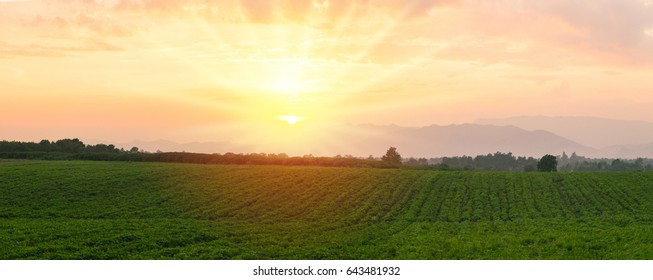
(591, 131)
(192, 147)
(431, 141)
(630, 151)
(467, 139)
(150, 146)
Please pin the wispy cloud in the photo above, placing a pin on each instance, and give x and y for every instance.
(450, 56)
(14, 50)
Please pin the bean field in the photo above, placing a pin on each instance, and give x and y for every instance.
(125, 210)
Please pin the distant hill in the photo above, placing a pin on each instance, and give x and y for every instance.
(591, 131)
(170, 146)
(468, 139)
(150, 146)
(429, 141)
(630, 151)
(209, 147)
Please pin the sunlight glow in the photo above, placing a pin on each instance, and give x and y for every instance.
(287, 86)
(275, 75)
(291, 119)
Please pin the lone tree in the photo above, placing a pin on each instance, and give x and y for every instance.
(392, 156)
(548, 163)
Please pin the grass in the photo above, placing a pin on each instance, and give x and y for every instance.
(124, 210)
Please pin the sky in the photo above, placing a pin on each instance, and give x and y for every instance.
(199, 70)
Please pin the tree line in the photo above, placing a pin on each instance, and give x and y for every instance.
(582, 164)
(74, 149)
(548, 163)
(490, 162)
(61, 146)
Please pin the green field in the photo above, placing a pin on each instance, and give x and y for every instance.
(123, 210)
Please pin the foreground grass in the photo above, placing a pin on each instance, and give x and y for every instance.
(118, 210)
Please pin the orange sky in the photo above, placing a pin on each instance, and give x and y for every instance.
(193, 70)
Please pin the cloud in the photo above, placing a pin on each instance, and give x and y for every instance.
(262, 11)
(39, 50)
(615, 30)
(413, 8)
(544, 33)
(9, 50)
(211, 10)
(621, 22)
(118, 17)
(575, 31)
(97, 24)
(304, 11)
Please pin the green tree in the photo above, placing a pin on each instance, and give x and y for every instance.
(548, 163)
(69, 146)
(392, 156)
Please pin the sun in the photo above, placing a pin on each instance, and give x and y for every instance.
(291, 119)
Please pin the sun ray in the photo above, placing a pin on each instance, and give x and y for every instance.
(281, 57)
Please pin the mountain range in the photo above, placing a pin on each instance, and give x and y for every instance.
(594, 132)
(468, 139)
(611, 138)
(523, 136)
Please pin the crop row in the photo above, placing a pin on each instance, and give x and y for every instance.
(154, 210)
(354, 196)
(311, 194)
